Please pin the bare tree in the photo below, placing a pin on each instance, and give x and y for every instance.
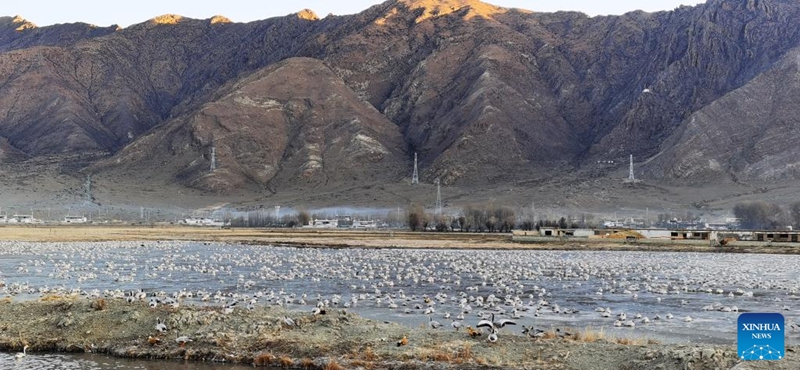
(416, 217)
(303, 217)
(760, 215)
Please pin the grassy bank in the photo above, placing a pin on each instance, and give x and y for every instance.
(335, 340)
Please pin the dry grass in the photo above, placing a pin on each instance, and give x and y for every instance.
(433, 354)
(635, 341)
(307, 363)
(369, 355)
(362, 364)
(263, 359)
(465, 353)
(550, 334)
(333, 366)
(462, 355)
(51, 298)
(589, 335)
(442, 356)
(99, 304)
(286, 361)
(95, 233)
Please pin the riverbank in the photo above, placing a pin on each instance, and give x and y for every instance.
(368, 239)
(336, 340)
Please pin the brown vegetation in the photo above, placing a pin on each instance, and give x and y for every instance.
(285, 361)
(589, 335)
(263, 359)
(333, 365)
(307, 363)
(99, 304)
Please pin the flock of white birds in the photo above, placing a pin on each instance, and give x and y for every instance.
(672, 296)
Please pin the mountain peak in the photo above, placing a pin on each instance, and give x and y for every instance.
(437, 8)
(219, 19)
(307, 15)
(166, 19)
(21, 23)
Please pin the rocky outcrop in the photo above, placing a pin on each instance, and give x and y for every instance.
(292, 124)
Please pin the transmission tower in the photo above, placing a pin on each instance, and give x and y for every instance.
(415, 176)
(631, 179)
(438, 198)
(213, 158)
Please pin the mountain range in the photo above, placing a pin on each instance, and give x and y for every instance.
(499, 104)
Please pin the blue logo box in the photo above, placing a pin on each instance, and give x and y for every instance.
(761, 336)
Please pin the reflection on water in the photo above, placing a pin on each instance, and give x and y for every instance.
(34, 361)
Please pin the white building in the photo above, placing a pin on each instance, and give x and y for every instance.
(75, 219)
(23, 219)
(204, 221)
(366, 225)
(323, 224)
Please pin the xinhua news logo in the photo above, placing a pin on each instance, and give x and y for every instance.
(761, 336)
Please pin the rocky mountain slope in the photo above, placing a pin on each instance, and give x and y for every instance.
(485, 95)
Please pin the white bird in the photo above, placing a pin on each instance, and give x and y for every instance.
(433, 324)
(23, 353)
(288, 321)
(182, 340)
(492, 337)
(456, 324)
(228, 308)
(687, 319)
(160, 326)
(317, 311)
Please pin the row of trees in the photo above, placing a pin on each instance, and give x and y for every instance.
(486, 218)
(758, 215)
(473, 218)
